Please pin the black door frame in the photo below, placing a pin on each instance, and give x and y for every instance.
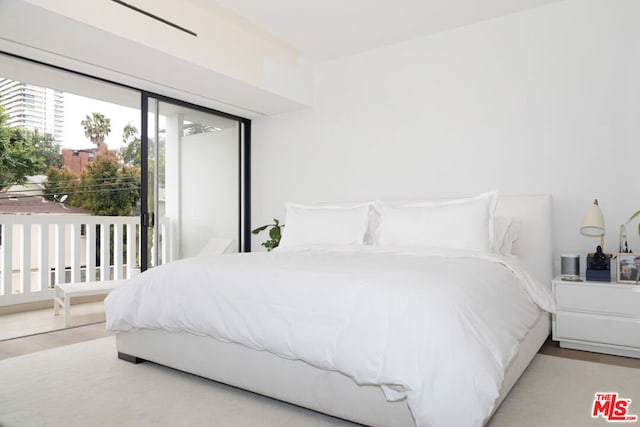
(244, 171)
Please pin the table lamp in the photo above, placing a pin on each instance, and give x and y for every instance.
(598, 264)
(593, 223)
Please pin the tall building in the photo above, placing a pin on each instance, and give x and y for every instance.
(33, 107)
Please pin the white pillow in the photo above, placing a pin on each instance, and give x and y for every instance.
(505, 233)
(464, 224)
(309, 225)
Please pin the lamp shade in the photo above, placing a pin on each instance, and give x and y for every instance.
(593, 221)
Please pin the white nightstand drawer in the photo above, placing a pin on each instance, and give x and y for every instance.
(620, 299)
(598, 329)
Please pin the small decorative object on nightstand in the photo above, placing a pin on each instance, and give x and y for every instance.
(624, 244)
(598, 263)
(628, 268)
(570, 267)
(599, 266)
(596, 316)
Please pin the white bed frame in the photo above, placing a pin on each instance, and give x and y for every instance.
(331, 392)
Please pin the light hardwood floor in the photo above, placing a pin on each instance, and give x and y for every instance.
(93, 313)
(35, 330)
(47, 340)
(552, 348)
(32, 322)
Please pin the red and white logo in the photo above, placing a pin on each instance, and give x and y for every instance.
(612, 408)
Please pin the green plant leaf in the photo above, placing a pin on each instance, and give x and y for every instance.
(634, 216)
(274, 233)
(259, 229)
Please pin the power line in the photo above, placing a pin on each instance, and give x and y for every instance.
(88, 179)
(65, 180)
(77, 189)
(110, 190)
(79, 184)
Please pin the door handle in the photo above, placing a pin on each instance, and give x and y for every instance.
(148, 219)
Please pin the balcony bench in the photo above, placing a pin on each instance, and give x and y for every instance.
(63, 292)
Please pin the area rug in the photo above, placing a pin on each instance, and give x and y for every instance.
(85, 384)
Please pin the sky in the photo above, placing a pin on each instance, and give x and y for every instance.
(78, 107)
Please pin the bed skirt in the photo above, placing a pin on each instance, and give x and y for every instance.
(293, 381)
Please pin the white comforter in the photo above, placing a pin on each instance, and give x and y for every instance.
(438, 328)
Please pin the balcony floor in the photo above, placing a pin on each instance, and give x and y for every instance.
(38, 321)
(44, 341)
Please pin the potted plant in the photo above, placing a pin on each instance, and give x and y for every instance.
(275, 233)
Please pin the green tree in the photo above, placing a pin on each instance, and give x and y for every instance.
(96, 128)
(62, 182)
(130, 152)
(47, 149)
(108, 187)
(17, 154)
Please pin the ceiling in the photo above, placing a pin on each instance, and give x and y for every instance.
(329, 29)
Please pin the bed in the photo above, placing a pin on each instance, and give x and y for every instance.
(364, 389)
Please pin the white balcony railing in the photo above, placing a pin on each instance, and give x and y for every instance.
(38, 251)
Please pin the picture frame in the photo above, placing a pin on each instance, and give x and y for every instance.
(627, 267)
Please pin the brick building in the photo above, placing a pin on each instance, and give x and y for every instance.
(76, 160)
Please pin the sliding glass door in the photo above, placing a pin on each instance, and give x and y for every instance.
(99, 155)
(194, 173)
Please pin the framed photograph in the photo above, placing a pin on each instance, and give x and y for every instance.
(628, 267)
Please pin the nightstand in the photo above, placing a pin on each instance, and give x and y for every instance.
(597, 316)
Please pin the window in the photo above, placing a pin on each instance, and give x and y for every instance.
(30, 88)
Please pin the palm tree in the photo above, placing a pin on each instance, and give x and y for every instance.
(96, 127)
(195, 128)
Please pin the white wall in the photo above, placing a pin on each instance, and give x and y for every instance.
(543, 101)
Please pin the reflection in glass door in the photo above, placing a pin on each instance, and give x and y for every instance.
(194, 181)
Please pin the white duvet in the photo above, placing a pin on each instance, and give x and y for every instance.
(438, 328)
